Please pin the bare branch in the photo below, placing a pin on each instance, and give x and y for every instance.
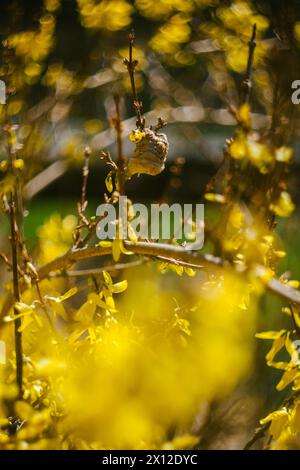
(85, 175)
(97, 271)
(168, 253)
(295, 323)
(16, 291)
(121, 158)
(131, 65)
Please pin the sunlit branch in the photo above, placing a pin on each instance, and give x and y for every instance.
(167, 253)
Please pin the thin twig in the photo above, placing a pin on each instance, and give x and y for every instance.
(120, 155)
(5, 259)
(16, 290)
(44, 306)
(259, 433)
(295, 323)
(44, 179)
(247, 82)
(82, 220)
(284, 291)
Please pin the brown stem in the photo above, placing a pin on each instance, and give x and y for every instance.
(261, 431)
(295, 323)
(5, 259)
(44, 306)
(85, 175)
(169, 253)
(121, 158)
(16, 290)
(259, 434)
(247, 82)
(16, 227)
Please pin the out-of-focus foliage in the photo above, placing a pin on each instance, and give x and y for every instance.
(284, 422)
(120, 374)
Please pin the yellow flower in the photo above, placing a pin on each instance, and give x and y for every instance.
(245, 115)
(238, 149)
(107, 14)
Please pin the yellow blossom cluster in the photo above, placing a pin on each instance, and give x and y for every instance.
(165, 8)
(233, 32)
(111, 15)
(31, 48)
(172, 35)
(55, 237)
